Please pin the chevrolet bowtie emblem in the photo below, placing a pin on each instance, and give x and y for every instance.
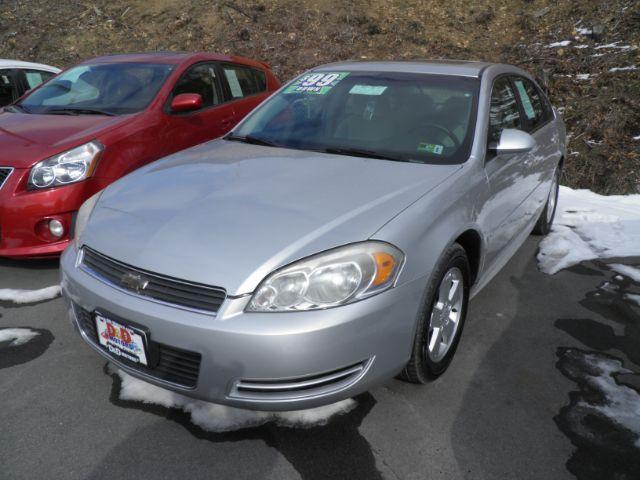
(134, 282)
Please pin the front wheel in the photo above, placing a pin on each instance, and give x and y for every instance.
(543, 226)
(441, 318)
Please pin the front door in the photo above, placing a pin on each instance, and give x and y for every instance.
(214, 119)
(510, 177)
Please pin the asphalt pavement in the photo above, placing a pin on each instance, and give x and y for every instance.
(511, 406)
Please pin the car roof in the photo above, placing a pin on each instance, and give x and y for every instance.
(6, 63)
(438, 67)
(173, 58)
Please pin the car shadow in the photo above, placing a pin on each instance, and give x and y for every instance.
(333, 450)
(35, 264)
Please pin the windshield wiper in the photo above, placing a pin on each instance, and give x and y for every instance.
(78, 111)
(358, 152)
(251, 139)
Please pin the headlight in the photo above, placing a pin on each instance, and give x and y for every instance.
(83, 215)
(336, 277)
(68, 167)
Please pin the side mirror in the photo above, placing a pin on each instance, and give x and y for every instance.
(186, 102)
(513, 141)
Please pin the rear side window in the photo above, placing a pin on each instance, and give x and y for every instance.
(504, 112)
(201, 79)
(532, 103)
(8, 87)
(35, 78)
(244, 81)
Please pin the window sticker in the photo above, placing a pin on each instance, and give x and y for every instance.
(316, 83)
(526, 101)
(367, 90)
(234, 84)
(5, 79)
(430, 148)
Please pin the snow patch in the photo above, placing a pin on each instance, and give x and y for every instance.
(563, 43)
(19, 336)
(633, 297)
(589, 226)
(623, 69)
(29, 296)
(631, 272)
(221, 418)
(622, 403)
(614, 45)
(584, 76)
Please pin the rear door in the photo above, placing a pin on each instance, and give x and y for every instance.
(214, 119)
(245, 86)
(506, 212)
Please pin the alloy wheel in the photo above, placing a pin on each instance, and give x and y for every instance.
(446, 315)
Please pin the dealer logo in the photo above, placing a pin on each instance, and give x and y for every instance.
(134, 282)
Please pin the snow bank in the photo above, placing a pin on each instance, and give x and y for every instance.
(221, 418)
(29, 296)
(19, 336)
(589, 226)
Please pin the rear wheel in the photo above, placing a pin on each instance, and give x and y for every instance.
(441, 319)
(543, 226)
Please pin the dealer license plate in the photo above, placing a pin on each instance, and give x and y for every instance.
(120, 340)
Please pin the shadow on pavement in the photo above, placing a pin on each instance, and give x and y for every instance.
(26, 352)
(334, 450)
(604, 447)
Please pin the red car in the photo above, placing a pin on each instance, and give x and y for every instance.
(98, 121)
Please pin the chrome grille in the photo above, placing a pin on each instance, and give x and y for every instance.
(4, 174)
(153, 286)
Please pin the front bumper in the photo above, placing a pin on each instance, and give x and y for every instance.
(22, 211)
(262, 361)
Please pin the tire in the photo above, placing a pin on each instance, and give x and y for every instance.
(544, 223)
(427, 364)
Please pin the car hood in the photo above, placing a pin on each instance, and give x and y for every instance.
(227, 214)
(26, 139)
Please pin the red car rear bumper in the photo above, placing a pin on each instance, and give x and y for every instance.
(24, 215)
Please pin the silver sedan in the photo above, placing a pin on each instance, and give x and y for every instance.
(330, 242)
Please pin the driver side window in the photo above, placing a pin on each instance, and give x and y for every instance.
(200, 79)
(504, 112)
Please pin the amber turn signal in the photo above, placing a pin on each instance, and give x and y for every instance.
(385, 264)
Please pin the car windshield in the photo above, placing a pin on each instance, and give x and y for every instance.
(395, 116)
(110, 89)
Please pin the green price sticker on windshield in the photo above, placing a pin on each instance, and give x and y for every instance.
(316, 83)
(430, 148)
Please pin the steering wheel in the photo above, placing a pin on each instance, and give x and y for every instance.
(446, 131)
